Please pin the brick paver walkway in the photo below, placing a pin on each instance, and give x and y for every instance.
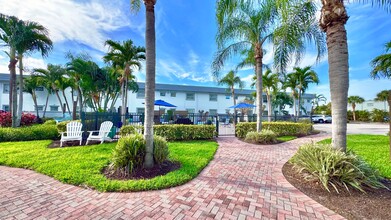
(244, 181)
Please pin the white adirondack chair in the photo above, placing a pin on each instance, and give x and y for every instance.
(73, 132)
(103, 133)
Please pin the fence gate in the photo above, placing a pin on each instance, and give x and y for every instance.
(224, 125)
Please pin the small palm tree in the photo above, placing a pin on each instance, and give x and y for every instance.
(353, 100)
(127, 57)
(30, 84)
(230, 80)
(316, 100)
(304, 76)
(291, 82)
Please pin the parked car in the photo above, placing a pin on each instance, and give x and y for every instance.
(321, 119)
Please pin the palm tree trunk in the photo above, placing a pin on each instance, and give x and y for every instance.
(150, 39)
(299, 105)
(20, 105)
(46, 104)
(123, 105)
(13, 98)
(80, 101)
(259, 98)
(294, 106)
(59, 100)
(338, 68)
(233, 96)
(35, 102)
(66, 101)
(269, 107)
(389, 117)
(354, 111)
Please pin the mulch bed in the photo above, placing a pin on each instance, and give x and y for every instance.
(375, 204)
(158, 170)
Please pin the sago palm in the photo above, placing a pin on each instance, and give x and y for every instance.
(244, 25)
(353, 100)
(128, 57)
(231, 80)
(150, 47)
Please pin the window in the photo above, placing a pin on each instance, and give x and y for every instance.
(140, 111)
(190, 96)
(227, 97)
(39, 88)
(190, 110)
(213, 97)
(212, 111)
(6, 88)
(40, 108)
(54, 108)
(141, 94)
(162, 93)
(173, 94)
(6, 108)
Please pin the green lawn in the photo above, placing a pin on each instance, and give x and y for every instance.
(82, 165)
(374, 149)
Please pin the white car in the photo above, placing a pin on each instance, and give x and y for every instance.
(321, 119)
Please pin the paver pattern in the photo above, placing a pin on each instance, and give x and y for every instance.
(244, 181)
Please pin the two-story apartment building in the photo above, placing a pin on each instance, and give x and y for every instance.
(186, 97)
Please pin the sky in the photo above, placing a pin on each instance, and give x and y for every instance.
(185, 39)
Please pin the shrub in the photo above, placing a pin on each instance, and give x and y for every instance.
(26, 119)
(279, 128)
(50, 122)
(160, 149)
(334, 168)
(129, 153)
(263, 137)
(176, 132)
(35, 132)
(62, 126)
(378, 115)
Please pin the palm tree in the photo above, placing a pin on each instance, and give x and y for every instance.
(332, 21)
(52, 76)
(10, 34)
(230, 80)
(150, 42)
(304, 77)
(30, 84)
(125, 56)
(353, 100)
(316, 100)
(246, 26)
(382, 64)
(34, 37)
(291, 82)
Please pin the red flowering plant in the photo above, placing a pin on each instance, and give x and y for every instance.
(6, 119)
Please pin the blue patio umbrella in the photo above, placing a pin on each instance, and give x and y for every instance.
(243, 105)
(163, 103)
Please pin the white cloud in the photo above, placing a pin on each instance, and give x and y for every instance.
(30, 63)
(85, 23)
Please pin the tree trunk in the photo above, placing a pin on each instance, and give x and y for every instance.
(20, 105)
(13, 98)
(354, 111)
(269, 107)
(66, 101)
(294, 107)
(59, 100)
(332, 21)
(35, 102)
(80, 101)
(123, 103)
(259, 89)
(298, 105)
(150, 39)
(233, 96)
(46, 105)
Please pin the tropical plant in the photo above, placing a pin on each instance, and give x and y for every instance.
(304, 77)
(270, 87)
(34, 37)
(249, 25)
(382, 64)
(280, 100)
(316, 100)
(30, 84)
(353, 100)
(150, 42)
(126, 56)
(291, 82)
(231, 80)
(263, 137)
(333, 18)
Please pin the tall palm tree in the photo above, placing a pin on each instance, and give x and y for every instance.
(30, 84)
(34, 37)
(150, 46)
(10, 34)
(231, 80)
(353, 100)
(127, 57)
(333, 18)
(304, 77)
(244, 25)
(291, 81)
(52, 76)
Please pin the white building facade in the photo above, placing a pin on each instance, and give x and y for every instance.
(187, 98)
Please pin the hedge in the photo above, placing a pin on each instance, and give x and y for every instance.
(280, 128)
(180, 132)
(35, 132)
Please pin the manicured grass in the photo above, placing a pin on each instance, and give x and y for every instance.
(374, 149)
(82, 165)
(286, 138)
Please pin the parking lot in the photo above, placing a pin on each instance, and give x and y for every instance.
(358, 128)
